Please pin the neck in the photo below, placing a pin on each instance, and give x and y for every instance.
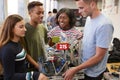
(65, 29)
(34, 24)
(15, 39)
(95, 14)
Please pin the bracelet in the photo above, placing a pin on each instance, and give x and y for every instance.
(29, 75)
(32, 75)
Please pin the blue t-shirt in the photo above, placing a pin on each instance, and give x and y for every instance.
(53, 21)
(97, 33)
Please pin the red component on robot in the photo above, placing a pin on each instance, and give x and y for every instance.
(62, 46)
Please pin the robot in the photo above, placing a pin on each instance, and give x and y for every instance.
(60, 57)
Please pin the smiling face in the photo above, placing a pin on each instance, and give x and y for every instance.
(36, 14)
(63, 21)
(19, 30)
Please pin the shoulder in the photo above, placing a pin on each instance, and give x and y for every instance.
(57, 28)
(28, 26)
(104, 20)
(42, 27)
(7, 48)
(74, 30)
(106, 23)
(8, 45)
(53, 17)
(54, 31)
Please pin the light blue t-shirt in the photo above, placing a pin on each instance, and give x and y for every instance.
(97, 33)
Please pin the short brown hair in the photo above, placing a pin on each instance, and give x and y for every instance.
(32, 4)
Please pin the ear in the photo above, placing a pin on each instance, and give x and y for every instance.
(92, 4)
(29, 12)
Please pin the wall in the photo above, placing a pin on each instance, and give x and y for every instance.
(116, 23)
(67, 3)
(113, 12)
(71, 4)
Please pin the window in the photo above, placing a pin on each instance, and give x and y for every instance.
(12, 8)
(19, 7)
(36, 0)
(2, 12)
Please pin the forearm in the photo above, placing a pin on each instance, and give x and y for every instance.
(92, 61)
(32, 61)
(100, 53)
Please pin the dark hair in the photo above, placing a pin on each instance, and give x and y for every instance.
(7, 29)
(54, 10)
(69, 13)
(116, 43)
(49, 12)
(32, 4)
